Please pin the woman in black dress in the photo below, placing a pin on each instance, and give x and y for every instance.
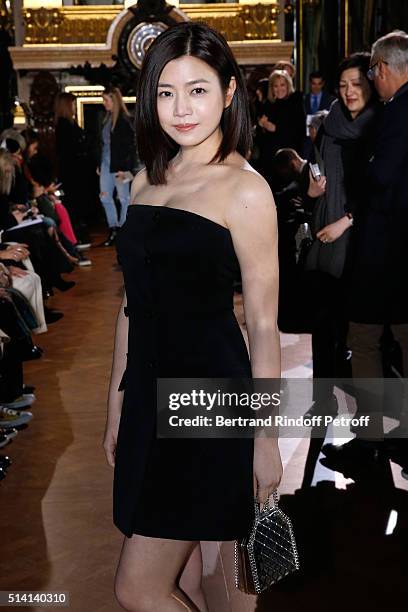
(198, 213)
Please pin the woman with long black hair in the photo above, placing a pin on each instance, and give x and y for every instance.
(198, 213)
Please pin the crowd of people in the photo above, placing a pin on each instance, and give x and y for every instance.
(343, 280)
(45, 222)
(335, 164)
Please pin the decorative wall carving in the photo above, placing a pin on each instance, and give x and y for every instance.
(42, 25)
(261, 21)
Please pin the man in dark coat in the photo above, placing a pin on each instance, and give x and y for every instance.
(318, 98)
(379, 289)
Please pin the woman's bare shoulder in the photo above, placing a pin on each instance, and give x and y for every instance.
(250, 193)
(249, 184)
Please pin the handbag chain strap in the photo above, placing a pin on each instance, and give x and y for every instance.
(266, 506)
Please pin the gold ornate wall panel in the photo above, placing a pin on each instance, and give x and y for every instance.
(68, 25)
(90, 24)
(57, 38)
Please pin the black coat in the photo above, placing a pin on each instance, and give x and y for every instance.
(379, 276)
(7, 220)
(122, 145)
(72, 151)
(289, 117)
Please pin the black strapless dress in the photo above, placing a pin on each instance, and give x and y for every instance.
(179, 268)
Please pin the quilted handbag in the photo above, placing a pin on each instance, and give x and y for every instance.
(268, 553)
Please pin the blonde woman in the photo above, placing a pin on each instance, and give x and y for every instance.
(117, 158)
(282, 121)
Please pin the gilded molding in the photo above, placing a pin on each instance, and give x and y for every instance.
(53, 57)
(70, 36)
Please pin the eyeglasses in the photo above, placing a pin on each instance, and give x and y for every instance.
(371, 71)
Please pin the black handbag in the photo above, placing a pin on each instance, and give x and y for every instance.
(269, 551)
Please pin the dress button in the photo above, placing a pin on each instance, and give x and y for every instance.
(152, 363)
(156, 215)
(149, 314)
(147, 260)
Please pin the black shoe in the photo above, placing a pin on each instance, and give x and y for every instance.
(29, 353)
(110, 241)
(354, 463)
(47, 294)
(4, 440)
(64, 285)
(82, 246)
(327, 407)
(28, 388)
(5, 461)
(355, 458)
(51, 316)
(35, 353)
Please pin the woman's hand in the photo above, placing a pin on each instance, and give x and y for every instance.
(110, 439)
(18, 215)
(271, 127)
(268, 468)
(266, 124)
(316, 188)
(333, 231)
(38, 190)
(17, 252)
(17, 272)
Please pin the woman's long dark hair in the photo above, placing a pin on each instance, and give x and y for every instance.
(156, 148)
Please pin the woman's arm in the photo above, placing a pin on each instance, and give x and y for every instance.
(115, 397)
(333, 231)
(253, 225)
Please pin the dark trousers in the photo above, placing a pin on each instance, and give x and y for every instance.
(364, 341)
(11, 366)
(329, 331)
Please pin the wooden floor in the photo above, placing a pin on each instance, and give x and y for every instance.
(56, 502)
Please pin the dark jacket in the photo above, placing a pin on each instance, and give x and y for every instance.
(7, 220)
(289, 117)
(122, 145)
(379, 289)
(72, 150)
(325, 102)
